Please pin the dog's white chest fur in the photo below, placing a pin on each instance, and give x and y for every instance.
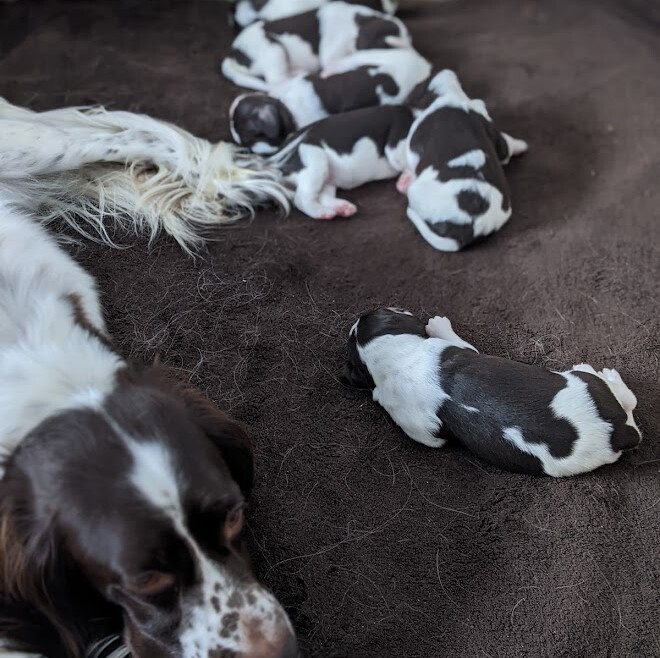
(47, 360)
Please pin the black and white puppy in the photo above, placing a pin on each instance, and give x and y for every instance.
(456, 187)
(345, 150)
(268, 53)
(262, 123)
(249, 11)
(519, 417)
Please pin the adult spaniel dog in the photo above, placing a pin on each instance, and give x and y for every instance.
(121, 491)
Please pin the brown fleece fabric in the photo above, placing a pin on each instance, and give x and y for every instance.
(377, 546)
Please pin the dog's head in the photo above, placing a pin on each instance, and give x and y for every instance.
(131, 511)
(260, 123)
(381, 322)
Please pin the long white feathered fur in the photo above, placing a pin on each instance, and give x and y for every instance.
(90, 165)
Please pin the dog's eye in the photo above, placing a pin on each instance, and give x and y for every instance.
(152, 583)
(233, 523)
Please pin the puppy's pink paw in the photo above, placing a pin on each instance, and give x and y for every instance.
(326, 214)
(404, 181)
(439, 327)
(346, 209)
(611, 375)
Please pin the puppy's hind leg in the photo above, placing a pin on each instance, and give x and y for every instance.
(513, 147)
(312, 188)
(440, 327)
(329, 200)
(625, 396)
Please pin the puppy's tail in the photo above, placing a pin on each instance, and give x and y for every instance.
(241, 76)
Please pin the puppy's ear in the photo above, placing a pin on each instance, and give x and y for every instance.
(287, 122)
(227, 435)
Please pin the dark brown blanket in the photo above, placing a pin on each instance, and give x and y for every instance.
(380, 547)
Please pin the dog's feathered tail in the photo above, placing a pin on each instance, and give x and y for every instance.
(100, 169)
(288, 148)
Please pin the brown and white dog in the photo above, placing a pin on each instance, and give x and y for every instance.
(121, 492)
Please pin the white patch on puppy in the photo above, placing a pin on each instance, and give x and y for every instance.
(522, 418)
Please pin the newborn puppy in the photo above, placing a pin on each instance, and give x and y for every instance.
(518, 417)
(249, 11)
(345, 151)
(262, 123)
(267, 53)
(454, 178)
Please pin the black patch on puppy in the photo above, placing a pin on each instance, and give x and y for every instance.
(305, 25)
(471, 202)
(352, 90)
(624, 437)
(449, 133)
(385, 322)
(507, 394)
(373, 32)
(420, 98)
(385, 126)
(240, 57)
(462, 233)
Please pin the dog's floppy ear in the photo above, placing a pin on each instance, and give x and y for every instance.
(31, 571)
(226, 433)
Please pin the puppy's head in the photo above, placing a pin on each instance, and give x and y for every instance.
(381, 322)
(130, 513)
(260, 123)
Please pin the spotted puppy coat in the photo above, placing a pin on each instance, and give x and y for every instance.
(456, 187)
(387, 77)
(249, 11)
(519, 417)
(343, 151)
(268, 53)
